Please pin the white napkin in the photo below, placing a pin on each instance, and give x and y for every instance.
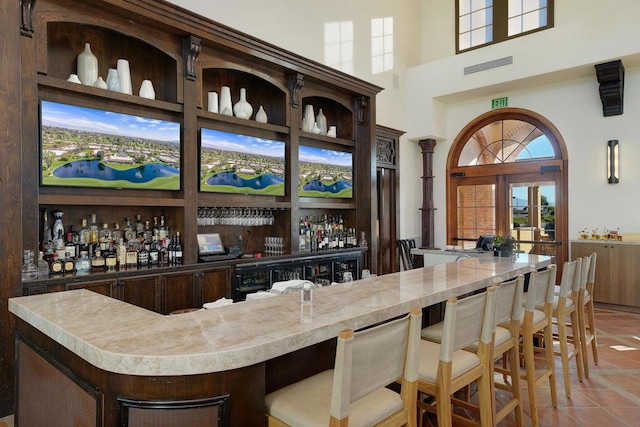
(260, 295)
(281, 287)
(218, 303)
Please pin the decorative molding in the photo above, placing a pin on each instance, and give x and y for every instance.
(296, 81)
(28, 9)
(191, 52)
(611, 79)
(385, 150)
(363, 102)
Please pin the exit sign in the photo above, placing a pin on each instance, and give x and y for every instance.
(500, 102)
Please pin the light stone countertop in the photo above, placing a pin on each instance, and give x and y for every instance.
(122, 338)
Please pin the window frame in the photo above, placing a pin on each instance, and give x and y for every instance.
(501, 24)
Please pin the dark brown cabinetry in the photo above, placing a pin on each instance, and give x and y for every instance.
(185, 56)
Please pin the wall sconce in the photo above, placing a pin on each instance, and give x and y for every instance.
(613, 161)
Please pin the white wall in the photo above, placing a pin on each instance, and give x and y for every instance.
(552, 74)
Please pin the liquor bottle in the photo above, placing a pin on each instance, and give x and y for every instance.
(129, 233)
(83, 264)
(110, 260)
(70, 247)
(98, 262)
(154, 253)
(68, 264)
(56, 266)
(104, 238)
(155, 229)
(163, 255)
(46, 229)
(163, 229)
(132, 256)
(93, 238)
(139, 226)
(122, 254)
(85, 233)
(116, 233)
(171, 250)
(177, 256)
(29, 269)
(148, 232)
(43, 266)
(143, 256)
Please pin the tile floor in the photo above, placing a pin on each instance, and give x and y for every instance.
(609, 397)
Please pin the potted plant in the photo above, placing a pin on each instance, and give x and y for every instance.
(504, 245)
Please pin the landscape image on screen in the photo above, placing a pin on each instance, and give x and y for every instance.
(325, 173)
(84, 147)
(241, 164)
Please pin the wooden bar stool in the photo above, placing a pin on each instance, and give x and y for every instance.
(355, 392)
(538, 311)
(446, 368)
(564, 305)
(587, 318)
(505, 344)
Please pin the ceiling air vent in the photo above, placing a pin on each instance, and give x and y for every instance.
(507, 60)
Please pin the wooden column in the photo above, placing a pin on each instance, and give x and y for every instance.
(427, 209)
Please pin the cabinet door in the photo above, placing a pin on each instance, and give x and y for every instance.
(143, 291)
(104, 287)
(625, 274)
(215, 283)
(603, 286)
(180, 291)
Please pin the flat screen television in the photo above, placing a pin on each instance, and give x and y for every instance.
(241, 164)
(325, 173)
(86, 147)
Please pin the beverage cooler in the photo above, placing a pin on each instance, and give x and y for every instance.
(252, 279)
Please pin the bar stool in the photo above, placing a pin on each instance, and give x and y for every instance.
(505, 344)
(355, 392)
(587, 318)
(564, 305)
(538, 311)
(446, 368)
(404, 248)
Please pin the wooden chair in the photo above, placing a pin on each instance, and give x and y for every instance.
(586, 316)
(564, 305)
(505, 344)
(355, 392)
(538, 312)
(446, 368)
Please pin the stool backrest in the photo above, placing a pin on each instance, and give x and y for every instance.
(570, 277)
(404, 247)
(370, 359)
(468, 320)
(541, 286)
(584, 272)
(509, 299)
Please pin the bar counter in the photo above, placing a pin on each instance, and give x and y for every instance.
(125, 340)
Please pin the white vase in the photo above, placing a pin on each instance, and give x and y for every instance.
(321, 120)
(261, 115)
(212, 102)
(332, 131)
(124, 75)
(146, 90)
(100, 83)
(242, 109)
(113, 81)
(309, 116)
(87, 66)
(225, 107)
(315, 129)
(73, 78)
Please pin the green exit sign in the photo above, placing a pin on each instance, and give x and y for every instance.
(500, 102)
